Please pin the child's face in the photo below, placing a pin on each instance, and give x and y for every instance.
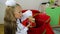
(18, 12)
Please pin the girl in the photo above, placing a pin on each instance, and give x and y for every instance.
(13, 17)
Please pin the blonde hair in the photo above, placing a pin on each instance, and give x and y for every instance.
(9, 19)
(9, 14)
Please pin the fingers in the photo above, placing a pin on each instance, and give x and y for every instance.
(31, 19)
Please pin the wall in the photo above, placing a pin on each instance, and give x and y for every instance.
(31, 4)
(2, 10)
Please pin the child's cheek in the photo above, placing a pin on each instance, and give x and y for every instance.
(16, 15)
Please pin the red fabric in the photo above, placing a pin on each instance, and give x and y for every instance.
(25, 23)
(41, 24)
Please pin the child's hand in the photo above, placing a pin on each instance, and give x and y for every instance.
(31, 19)
(29, 25)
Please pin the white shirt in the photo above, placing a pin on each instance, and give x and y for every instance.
(21, 29)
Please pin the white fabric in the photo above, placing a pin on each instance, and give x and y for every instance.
(21, 29)
(26, 14)
(10, 3)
